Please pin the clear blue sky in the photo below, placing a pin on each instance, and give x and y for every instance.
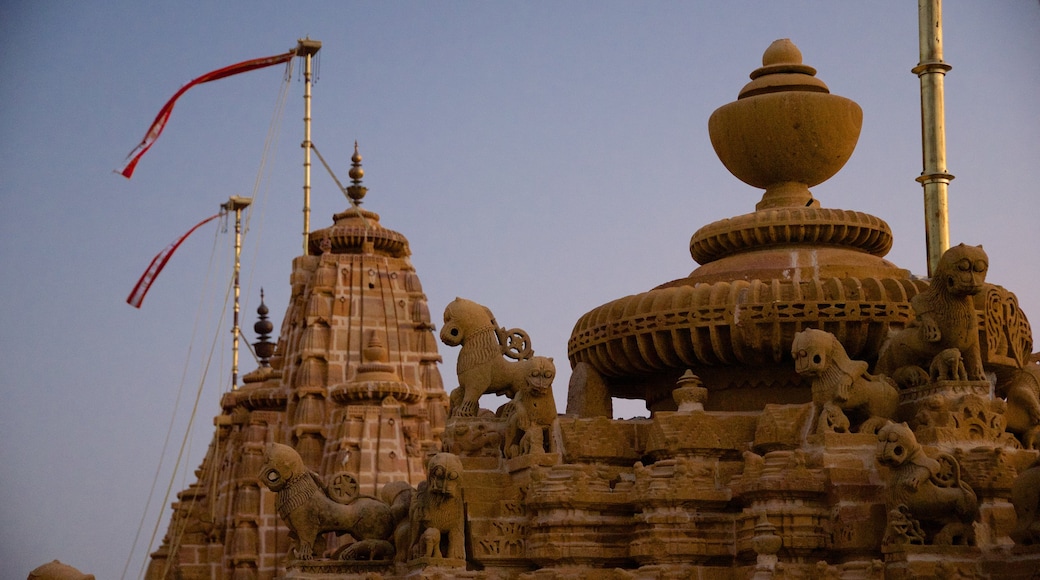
(543, 158)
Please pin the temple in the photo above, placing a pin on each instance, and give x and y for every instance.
(816, 410)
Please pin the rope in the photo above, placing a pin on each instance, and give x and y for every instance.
(262, 184)
(169, 429)
(175, 542)
(261, 187)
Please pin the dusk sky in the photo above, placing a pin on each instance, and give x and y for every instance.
(543, 158)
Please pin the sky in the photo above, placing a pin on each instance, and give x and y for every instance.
(543, 158)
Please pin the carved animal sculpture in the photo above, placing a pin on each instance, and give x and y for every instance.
(527, 429)
(1022, 390)
(1025, 496)
(437, 514)
(945, 316)
(948, 365)
(840, 384)
(930, 489)
(910, 377)
(481, 366)
(305, 506)
(479, 437)
(398, 495)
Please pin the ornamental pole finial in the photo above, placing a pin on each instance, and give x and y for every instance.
(355, 191)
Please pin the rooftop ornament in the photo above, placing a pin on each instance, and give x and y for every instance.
(763, 276)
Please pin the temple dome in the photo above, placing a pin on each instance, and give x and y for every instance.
(765, 275)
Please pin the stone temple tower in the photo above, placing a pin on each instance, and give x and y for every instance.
(352, 383)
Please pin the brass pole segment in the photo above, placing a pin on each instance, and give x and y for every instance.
(934, 178)
(307, 48)
(236, 204)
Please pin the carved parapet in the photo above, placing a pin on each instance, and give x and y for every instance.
(698, 432)
(791, 489)
(601, 440)
(782, 427)
(683, 481)
(323, 569)
(956, 413)
(803, 528)
(779, 474)
(500, 541)
(578, 518)
(682, 516)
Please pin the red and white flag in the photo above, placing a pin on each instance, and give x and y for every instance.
(160, 120)
(136, 296)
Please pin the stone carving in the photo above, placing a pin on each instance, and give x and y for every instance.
(528, 428)
(1022, 390)
(927, 493)
(58, 571)
(474, 437)
(481, 366)
(911, 377)
(945, 316)
(841, 385)
(1025, 495)
(306, 507)
(437, 516)
(398, 495)
(948, 365)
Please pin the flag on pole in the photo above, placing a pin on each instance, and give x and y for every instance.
(164, 114)
(136, 296)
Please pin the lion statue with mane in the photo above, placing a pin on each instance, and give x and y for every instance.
(945, 317)
(482, 365)
(929, 491)
(840, 384)
(305, 505)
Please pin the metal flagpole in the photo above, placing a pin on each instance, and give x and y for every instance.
(307, 48)
(934, 178)
(236, 204)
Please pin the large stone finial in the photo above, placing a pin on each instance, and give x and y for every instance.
(785, 132)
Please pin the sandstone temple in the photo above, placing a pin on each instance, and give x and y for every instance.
(816, 411)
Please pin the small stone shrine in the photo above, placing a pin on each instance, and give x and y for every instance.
(817, 412)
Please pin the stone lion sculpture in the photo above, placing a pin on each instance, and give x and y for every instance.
(304, 504)
(945, 316)
(437, 515)
(841, 385)
(931, 490)
(528, 428)
(482, 367)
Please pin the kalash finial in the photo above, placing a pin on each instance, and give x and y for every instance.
(355, 191)
(785, 132)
